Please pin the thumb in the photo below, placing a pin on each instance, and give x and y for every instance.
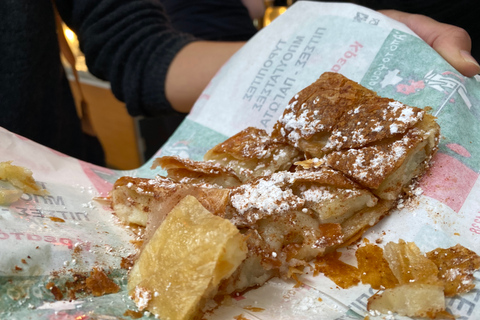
(451, 42)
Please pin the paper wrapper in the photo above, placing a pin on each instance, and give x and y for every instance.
(252, 89)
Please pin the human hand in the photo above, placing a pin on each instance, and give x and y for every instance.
(451, 42)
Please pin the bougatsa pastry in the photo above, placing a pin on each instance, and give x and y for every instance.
(378, 142)
(146, 202)
(337, 162)
(437, 274)
(253, 153)
(182, 265)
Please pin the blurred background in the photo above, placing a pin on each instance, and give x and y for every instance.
(130, 141)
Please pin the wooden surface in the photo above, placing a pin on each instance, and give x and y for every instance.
(114, 126)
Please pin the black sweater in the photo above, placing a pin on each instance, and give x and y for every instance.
(127, 42)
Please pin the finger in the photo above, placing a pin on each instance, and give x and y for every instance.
(451, 42)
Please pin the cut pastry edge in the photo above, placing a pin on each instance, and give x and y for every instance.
(167, 284)
(251, 158)
(146, 202)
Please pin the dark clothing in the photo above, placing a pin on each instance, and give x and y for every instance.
(127, 42)
(217, 20)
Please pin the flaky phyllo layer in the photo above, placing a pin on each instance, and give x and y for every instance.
(337, 161)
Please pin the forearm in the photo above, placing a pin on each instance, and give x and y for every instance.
(129, 43)
(193, 68)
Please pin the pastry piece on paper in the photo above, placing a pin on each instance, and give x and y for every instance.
(292, 217)
(335, 164)
(21, 180)
(253, 153)
(312, 114)
(410, 300)
(183, 264)
(388, 167)
(144, 201)
(437, 274)
(197, 172)
(336, 113)
(378, 142)
(456, 266)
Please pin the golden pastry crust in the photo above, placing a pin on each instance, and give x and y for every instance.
(183, 264)
(372, 121)
(388, 167)
(197, 172)
(335, 113)
(253, 153)
(144, 201)
(313, 113)
(336, 163)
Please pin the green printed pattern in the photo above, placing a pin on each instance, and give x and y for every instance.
(191, 140)
(408, 70)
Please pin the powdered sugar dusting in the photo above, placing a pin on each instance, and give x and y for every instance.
(142, 297)
(266, 196)
(298, 126)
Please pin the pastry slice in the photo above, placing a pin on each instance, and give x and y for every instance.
(142, 201)
(253, 153)
(183, 264)
(390, 166)
(379, 143)
(313, 113)
(292, 217)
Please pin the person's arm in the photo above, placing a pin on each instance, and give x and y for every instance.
(129, 43)
(197, 63)
(451, 42)
(193, 68)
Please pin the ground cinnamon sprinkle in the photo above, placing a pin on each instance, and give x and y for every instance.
(76, 286)
(127, 262)
(57, 293)
(99, 283)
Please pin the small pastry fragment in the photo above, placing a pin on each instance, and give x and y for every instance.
(374, 268)
(409, 265)
(183, 264)
(417, 278)
(21, 181)
(253, 153)
(456, 266)
(409, 300)
(437, 274)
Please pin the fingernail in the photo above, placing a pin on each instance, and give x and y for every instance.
(468, 57)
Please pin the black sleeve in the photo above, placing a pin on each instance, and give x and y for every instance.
(129, 43)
